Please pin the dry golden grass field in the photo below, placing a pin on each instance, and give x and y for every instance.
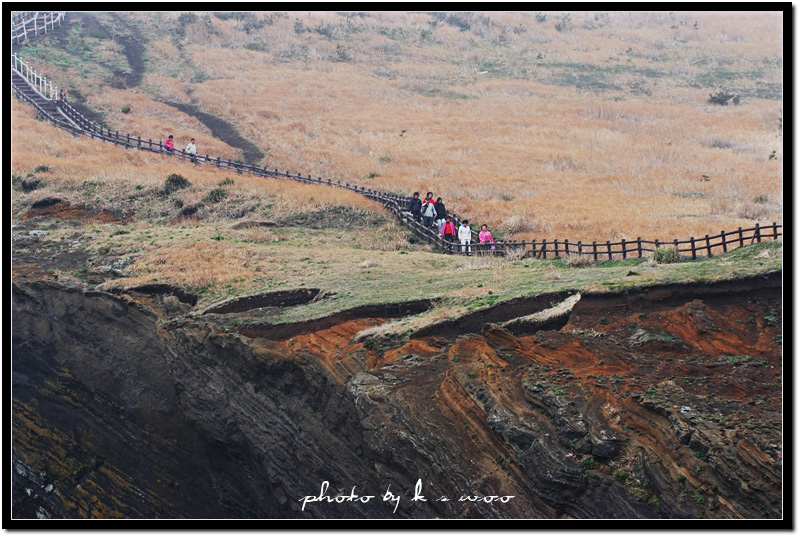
(585, 125)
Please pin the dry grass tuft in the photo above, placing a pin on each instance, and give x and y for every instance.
(578, 261)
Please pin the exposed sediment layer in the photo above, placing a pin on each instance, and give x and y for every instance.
(663, 402)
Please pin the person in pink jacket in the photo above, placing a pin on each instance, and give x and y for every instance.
(486, 236)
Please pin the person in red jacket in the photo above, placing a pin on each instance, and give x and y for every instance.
(448, 232)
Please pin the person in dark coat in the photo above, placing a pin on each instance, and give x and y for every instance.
(441, 213)
(415, 206)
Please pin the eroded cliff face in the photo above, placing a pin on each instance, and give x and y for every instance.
(664, 402)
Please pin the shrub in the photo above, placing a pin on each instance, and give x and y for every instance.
(225, 182)
(752, 211)
(667, 254)
(587, 463)
(126, 110)
(578, 261)
(30, 184)
(518, 224)
(175, 182)
(216, 195)
(722, 98)
(41, 168)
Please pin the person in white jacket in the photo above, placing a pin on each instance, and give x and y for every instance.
(428, 212)
(465, 236)
(191, 150)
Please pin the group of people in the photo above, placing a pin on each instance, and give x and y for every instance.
(433, 214)
(191, 149)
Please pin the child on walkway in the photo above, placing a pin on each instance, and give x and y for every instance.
(169, 145)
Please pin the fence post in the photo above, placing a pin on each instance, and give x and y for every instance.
(639, 245)
(580, 248)
(624, 250)
(708, 246)
(594, 250)
(724, 241)
(694, 253)
(555, 245)
(608, 246)
(757, 234)
(774, 231)
(741, 237)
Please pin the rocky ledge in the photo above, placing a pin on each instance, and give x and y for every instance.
(659, 403)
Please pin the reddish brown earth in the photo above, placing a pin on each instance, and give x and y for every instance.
(56, 208)
(665, 402)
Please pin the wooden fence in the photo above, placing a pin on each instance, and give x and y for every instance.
(693, 248)
(72, 120)
(30, 24)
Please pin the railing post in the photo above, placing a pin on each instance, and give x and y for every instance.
(757, 234)
(694, 252)
(708, 246)
(580, 248)
(741, 237)
(594, 250)
(724, 241)
(639, 246)
(774, 231)
(555, 245)
(624, 250)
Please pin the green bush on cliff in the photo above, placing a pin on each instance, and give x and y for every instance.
(175, 182)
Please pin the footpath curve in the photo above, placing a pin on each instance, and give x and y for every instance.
(52, 104)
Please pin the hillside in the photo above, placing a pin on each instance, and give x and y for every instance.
(539, 124)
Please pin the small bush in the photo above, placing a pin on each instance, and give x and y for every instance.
(518, 224)
(722, 98)
(578, 261)
(41, 168)
(752, 211)
(225, 182)
(175, 182)
(30, 184)
(587, 463)
(665, 255)
(126, 110)
(216, 195)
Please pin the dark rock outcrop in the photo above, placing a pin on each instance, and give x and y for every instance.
(120, 411)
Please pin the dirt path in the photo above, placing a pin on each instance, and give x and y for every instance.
(224, 131)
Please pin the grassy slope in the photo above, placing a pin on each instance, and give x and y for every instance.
(569, 122)
(358, 253)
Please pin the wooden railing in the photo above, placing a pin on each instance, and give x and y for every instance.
(31, 23)
(40, 83)
(706, 246)
(79, 124)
